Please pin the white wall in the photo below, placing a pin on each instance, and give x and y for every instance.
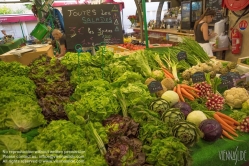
(130, 9)
(15, 30)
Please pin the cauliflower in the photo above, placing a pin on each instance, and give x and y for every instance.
(186, 75)
(205, 67)
(234, 97)
(158, 75)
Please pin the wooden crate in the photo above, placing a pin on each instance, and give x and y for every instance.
(116, 49)
(242, 60)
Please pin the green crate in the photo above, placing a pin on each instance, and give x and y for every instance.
(40, 31)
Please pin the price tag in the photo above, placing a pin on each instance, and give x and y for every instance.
(233, 75)
(155, 86)
(181, 56)
(198, 77)
(226, 81)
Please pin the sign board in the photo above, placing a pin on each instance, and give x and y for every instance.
(181, 56)
(215, 5)
(155, 86)
(91, 25)
(198, 77)
(226, 81)
(233, 75)
(243, 25)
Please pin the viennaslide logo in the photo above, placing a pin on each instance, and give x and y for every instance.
(233, 155)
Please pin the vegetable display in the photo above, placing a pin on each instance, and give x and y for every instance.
(143, 109)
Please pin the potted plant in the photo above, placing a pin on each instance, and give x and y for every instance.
(132, 19)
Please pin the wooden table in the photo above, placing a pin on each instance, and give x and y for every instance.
(168, 31)
(220, 53)
(28, 57)
(11, 45)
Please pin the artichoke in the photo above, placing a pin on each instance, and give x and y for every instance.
(186, 132)
(173, 116)
(159, 105)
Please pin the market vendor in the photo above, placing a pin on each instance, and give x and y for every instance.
(202, 35)
(61, 38)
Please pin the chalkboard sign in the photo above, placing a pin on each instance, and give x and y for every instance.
(233, 75)
(226, 81)
(91, 25)
(198, 77)
(155, 86)
(181, 56)
(217, 6)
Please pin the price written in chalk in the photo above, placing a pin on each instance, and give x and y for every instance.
(181, 56)
(155, 86)
(198, 77)
(226, 81)
(233, 75)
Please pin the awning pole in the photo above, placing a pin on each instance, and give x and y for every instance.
(145, 24)
(22, 30)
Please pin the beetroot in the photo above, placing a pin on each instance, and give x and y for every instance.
(211, 129)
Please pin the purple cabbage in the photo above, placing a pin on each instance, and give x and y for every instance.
(185, 108)
(211, 129)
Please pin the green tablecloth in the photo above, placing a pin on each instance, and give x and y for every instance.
(218, 153)
(10, 46)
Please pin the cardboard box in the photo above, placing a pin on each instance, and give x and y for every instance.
(28, 57)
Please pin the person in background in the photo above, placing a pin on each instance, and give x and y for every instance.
(202, 35)
(61, 38)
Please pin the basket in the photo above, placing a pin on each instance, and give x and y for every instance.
(40, 31)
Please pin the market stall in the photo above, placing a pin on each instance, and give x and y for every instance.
(27, 54)
(140, 110)
(11, 45)
(124, 103)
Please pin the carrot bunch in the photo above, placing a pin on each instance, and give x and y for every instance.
(167, 73)
(228, 125)
(185, 91)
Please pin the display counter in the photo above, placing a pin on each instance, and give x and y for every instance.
(28, 57)
(11, 45)
(163, 32)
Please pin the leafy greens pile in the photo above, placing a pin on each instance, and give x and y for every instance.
(95, 101)
(18, 102)
(69, 138)
(53, 87)
(124, 148)
(13, 69)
